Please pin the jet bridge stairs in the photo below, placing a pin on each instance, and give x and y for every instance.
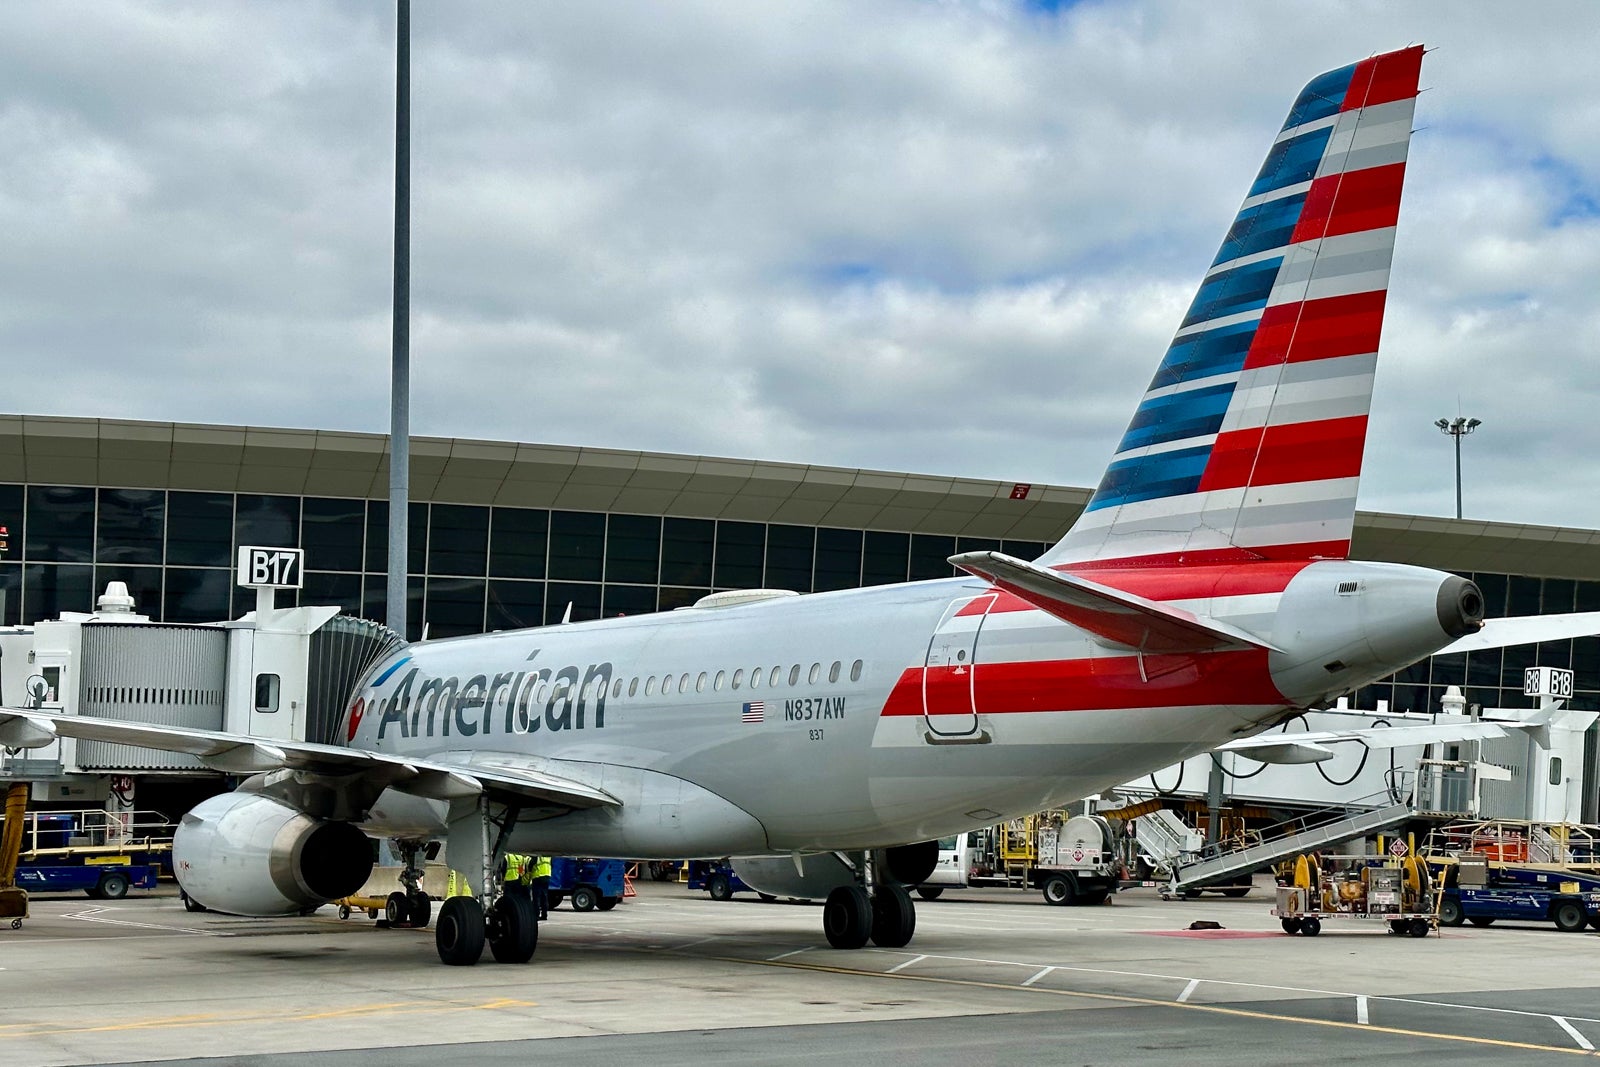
(1217, 864)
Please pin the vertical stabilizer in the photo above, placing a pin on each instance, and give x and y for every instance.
(1248, 442)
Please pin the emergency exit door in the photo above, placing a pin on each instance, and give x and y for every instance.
(949, 675)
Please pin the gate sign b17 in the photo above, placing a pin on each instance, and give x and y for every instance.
(271, 568)
(1547, 682)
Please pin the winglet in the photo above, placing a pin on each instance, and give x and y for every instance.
(1117, 617)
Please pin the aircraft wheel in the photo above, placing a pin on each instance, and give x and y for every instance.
(419, 910)
(459, 933)
(847, 917)
(1450, 913)
(1311, 926)
(396, 909)
(1570, 916)
(1479, 920)
(1290, 925)
(584, 898)
(607, 903)
(894, 917)
(930, 892)
(1058, 890)
(514, 934)
(720, 887)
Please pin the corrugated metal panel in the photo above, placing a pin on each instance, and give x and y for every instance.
(341, 652)
(164, 675)
(1506, 800)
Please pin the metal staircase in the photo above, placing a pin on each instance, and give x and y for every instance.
(1229, 864)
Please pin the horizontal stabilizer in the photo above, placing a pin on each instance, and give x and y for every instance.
(241, 754)
(1113, 615)
(1312, 747)
(1526, 630)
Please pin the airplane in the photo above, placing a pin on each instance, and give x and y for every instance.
(828, 740)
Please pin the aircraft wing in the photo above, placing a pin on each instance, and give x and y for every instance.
(1311, 747)
(1119, 617)
(1525, 630)
(242, 754)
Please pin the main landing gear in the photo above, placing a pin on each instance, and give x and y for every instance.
(886, 916)
(507, 922)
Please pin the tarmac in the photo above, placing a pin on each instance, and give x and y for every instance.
(992, 976)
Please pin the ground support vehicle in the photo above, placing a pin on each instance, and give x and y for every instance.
(1395, 891)
(719, 880)
(1479, 892)
(1069, 859)
(587, 883)
(101, 880)
(13, 901)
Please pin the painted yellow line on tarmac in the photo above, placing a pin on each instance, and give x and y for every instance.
(1120, 998)
(178, 1022)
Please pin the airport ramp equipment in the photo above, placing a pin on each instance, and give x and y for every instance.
(1231, 864)
(1164, 838)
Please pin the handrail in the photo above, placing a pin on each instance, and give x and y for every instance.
(1299, 825)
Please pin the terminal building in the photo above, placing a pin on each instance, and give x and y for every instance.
(507, 535)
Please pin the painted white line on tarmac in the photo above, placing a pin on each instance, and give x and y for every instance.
(1582, 1041)
(1038, 976)
(1188, 990)
(897, 968)
(1361, 1010)
(786, 955)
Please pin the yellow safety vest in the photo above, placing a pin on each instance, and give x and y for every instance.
(515, 865)
(457, 885)
(541, 867)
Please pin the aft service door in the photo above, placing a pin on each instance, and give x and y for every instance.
(948, 698)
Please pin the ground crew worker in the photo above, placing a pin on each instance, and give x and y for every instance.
(539, 881)
(513, 873)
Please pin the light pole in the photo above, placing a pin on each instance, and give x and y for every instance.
(1458, 428)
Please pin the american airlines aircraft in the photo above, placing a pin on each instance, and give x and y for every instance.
(1203, 596)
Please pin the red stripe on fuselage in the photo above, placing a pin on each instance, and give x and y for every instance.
(1384, 79)
(1102, 683)
(1318, 329)
(1282, 455)
(1351, 202)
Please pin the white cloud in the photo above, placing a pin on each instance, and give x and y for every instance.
(942, 237)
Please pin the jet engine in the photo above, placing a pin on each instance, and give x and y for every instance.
(248, 854)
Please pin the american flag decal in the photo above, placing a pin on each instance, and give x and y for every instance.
(754, 711)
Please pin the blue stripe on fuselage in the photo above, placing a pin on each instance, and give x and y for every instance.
(384, 677)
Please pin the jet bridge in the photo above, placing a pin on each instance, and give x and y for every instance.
(283, 673)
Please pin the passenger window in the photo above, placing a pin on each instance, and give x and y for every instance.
(721, 677)
(794, 675)
(855, 671)
(633, 686)
(616, 690)
(683, 683)
(772, 683)
(700, 683)
(814, 674)
(738, 676)
(650, 686)
(833, 672)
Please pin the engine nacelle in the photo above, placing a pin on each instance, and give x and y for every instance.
(248, 854)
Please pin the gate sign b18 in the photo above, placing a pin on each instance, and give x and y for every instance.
(271, 568)
(1547, 682)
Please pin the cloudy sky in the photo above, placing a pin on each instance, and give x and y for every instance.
(930, 236)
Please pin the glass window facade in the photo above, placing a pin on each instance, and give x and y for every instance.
(480, 568)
